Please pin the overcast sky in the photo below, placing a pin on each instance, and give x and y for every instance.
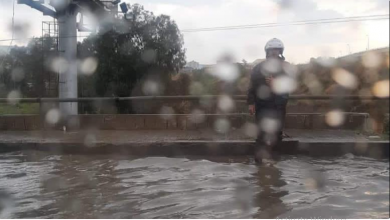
(302, 42)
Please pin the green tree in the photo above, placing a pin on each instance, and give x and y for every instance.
(23, 69)
(136, 48)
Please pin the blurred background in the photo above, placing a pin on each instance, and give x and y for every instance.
(149, 72)
(320, 36)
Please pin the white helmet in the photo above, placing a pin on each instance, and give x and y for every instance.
(274, 44)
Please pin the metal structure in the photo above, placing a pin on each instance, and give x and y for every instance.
(49, 50)
(178, 98)
(65, 12)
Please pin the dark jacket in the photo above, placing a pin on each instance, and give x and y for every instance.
(269, 67)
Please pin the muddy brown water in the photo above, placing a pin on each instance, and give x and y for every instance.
(42, 185)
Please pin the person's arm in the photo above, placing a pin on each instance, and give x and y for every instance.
(251, 97)
(287, 65)
(251, 91)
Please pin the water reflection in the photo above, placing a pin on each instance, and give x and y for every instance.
(269, 199)
(81, 186)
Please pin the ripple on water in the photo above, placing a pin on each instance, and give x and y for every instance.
(80, 186)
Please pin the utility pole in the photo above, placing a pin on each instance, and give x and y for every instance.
(66, 12)
(349, 48)
(368, 42)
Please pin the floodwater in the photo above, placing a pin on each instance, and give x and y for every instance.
(41, 185)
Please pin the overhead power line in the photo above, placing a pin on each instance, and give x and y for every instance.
(265, 25)
(305, 22)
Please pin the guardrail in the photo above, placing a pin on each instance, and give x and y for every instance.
(187, 98)
(239, 98)
(353, 121)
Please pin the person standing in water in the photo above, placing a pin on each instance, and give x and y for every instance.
(266, 101)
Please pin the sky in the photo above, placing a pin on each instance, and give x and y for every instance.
(301, 42)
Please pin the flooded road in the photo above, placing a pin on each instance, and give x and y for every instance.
(40, 185)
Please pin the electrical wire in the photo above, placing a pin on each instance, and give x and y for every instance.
(265, 25)
(289, 23)
(307, 22)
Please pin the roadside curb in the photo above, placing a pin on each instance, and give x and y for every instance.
(374, 149)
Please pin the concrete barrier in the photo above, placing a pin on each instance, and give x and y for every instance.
(14, 123)
(353, 121)
(377, 150)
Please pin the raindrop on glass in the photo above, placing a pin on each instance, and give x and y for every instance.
(345, 78)
(197, 116)
(17, 74)
(88, 66)
(149, 56)
(167, 112)
(222, 126)
(284, 85)
(270, 125)
(90, 140)
(290, 70)
(272, 66)
(335, 118)
(371, 60)
(151, 87)
(13, 97)
(196, 88)
(226, 71)
(59, 65)
(251, 130)
(53, 116)
(381, 89)
(226, 103)
(263, 92)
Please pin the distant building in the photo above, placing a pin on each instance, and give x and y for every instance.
(186, 70)
(208, 65)
(384, 50)
(194, 65)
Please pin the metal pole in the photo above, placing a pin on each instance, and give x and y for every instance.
(179, 98)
